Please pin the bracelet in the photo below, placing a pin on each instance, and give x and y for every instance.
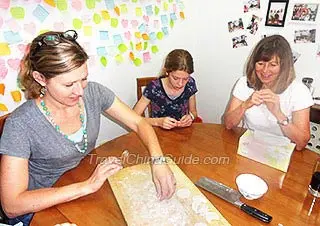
(158, 160)
(191, 115)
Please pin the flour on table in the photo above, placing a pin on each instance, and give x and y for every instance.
(183, 193)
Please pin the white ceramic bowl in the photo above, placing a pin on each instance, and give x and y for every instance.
(251, 186)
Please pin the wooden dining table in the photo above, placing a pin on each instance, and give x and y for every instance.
(203, 149)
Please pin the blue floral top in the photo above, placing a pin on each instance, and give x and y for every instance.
(162, 105)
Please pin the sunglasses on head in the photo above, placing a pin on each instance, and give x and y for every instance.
(55, 39)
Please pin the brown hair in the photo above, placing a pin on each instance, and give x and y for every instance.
(178, 59)
(265, 50)
(50, 61)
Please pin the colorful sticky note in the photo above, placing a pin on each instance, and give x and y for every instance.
(146, 57)
(142, 28)
(123, 8)
(105, 15)
(145, 36)
(137, 62)
(154, 49)
(174, 8)
(117, 39)
(3, 69)
(14, 63)
(12, 37)
(76, 4)
(104, 35)
(145, 45)
(3, 107)
(139, 46)
(171, 23)
(2, 88)
(124, 23)
(122, 48)
(13, 25)
(131, 45)
(134, 23)
(127, 35)
(119, 58)
(165, 6)
(173, 16)
(87, 31)
(91, 4)
(62, 5)
(101, 51)
(134, 1)
(77, 23)
(96, 18)
(139, 11)
(156, 10)
(117, 10)
(149, 10)
(40, 13)
(182, 15)
(180, 5)
(16, 95)
(104, 61)
(165, 31)
(4, 49)
(152, 36)
(4, 4)
(114, 22)
(110, 4)
(17, 12)
(159, 35)
(50, 2)
(131, 56)
(164, 20)
(137, 34)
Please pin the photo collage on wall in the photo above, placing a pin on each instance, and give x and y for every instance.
(240, 29)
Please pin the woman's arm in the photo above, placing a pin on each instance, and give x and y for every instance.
(236, 109)
(162, 175)
(298, 130)
(164, 122)
(16, 200)
(187, 119)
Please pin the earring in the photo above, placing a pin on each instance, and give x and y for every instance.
(43, 91)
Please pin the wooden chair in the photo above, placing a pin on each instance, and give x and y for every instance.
(142, 82)
(2, 121)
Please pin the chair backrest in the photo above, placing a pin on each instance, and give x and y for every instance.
(142, 82)
(2, 121)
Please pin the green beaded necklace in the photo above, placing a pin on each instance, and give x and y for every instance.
(57, 127)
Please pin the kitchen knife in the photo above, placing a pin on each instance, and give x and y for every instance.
(232, 196)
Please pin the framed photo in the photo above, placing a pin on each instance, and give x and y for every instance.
(276, 14)
(304, 12)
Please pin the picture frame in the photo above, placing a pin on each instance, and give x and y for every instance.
(276, 14)
(304, 11)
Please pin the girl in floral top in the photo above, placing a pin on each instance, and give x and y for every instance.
(172, 95)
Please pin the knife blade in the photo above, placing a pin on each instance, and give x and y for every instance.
(232, 196)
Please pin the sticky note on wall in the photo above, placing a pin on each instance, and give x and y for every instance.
(2, 88)
(3, 107)
(4, 49)
(17, 12)
(16, 95)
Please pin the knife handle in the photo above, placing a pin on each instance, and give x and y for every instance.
(256, 213)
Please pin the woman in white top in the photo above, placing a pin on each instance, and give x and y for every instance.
(268, 98)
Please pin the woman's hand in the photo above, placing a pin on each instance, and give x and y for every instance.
(104, 169)
(185, 121)
(271, 100)
(164, 181)
(254, 99)
(168, 123)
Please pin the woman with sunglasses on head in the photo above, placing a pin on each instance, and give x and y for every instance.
(268, 98)
(58, 126)
(172, 95)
